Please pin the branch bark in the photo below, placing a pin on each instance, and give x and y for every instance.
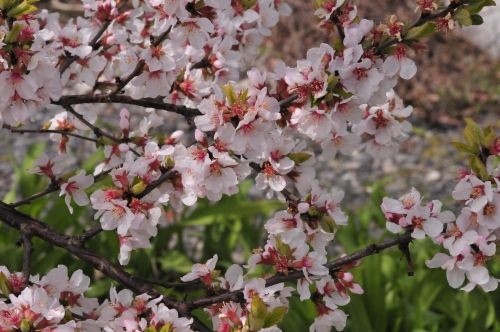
(34, 227)
(334, 266)
(27, 249)
(49, 131)
(155, 103)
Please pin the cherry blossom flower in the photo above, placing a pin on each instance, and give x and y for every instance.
(400, 63)
(202, 271)
(75, 188)
(50, 167)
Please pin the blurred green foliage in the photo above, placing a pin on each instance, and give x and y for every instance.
(232, 228)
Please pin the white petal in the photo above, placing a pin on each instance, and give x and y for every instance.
(277, 182)
(433, 227)
(437, 261)
(455, 277)
(479, 275)
(393, 227)
(408, 68)
(391, 66)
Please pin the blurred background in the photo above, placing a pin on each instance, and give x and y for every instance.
(458, 77)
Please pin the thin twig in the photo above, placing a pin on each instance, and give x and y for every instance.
(334, 266)
(87, 235)
(155, 184)
(49, 131)
(421, 21)
(98, 132)
(52, 187)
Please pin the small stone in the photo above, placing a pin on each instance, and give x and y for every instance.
(432, 176)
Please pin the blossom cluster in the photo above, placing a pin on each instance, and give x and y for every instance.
(261, 308)
(57, 302)
(239, 128)
(470, 239)
(36, 49)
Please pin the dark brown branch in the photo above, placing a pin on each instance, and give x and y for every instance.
(155, 184)
(49, 131)
(191, 285)
(98, 132)
(34, 227)
(50, 189)
(87, 235)
(333, 266)
(155, 103)
(94, 43)
(27, 250)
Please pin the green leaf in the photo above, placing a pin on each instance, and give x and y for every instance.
(472, 132)
(299, 157)
(167, 328)
(489, 137)
(476, 19)
(258, 311)
(421, 31)
(466, 148)
(229, 92)
(248, 3)
(4, 285)
(475, 6)
(4, 4)
(22, 9)
(283, 248)
(463, 17)
(13, 33)
(478, 167)
(258, 307)
(275, 316)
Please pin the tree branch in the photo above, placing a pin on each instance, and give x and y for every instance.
(49, 131)
(155, 103)
(98, 132)
(27, 250)
(333, 266)
(87, 235)
(155, 184)
(34, 227)
(52, 187)
(422, 20)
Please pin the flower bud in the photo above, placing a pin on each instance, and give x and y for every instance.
(139, 187)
